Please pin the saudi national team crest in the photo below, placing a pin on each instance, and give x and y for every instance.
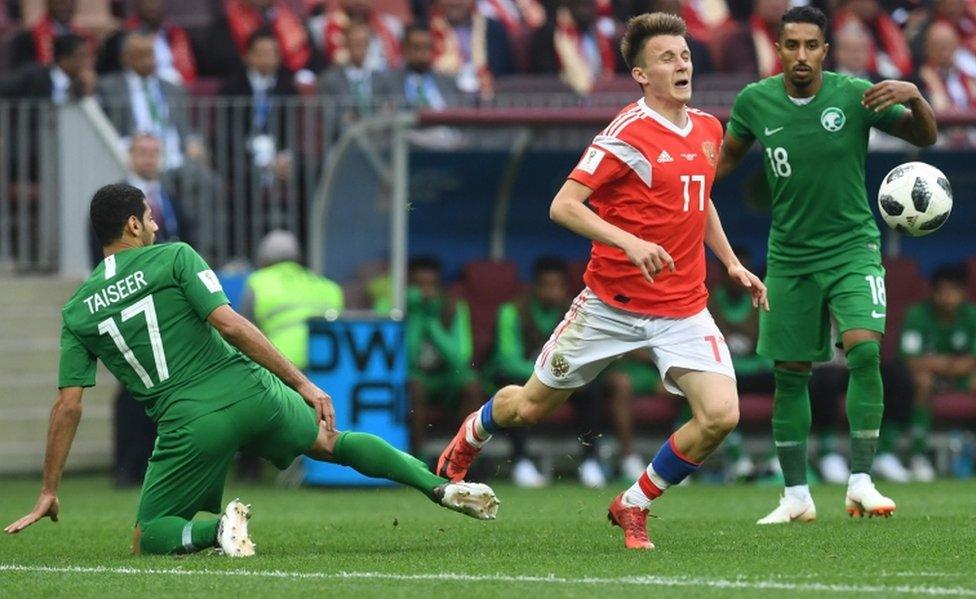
(710, 152)
(833, 119)
(559, 365)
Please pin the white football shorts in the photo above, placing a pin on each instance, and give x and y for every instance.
(594, 334)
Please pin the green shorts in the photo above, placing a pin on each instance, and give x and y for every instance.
(797, 326)
(189, 463)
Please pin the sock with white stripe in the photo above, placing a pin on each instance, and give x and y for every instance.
(171, 534)
(669, 467)
(480, 428)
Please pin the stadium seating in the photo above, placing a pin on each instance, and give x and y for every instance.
(486, 284)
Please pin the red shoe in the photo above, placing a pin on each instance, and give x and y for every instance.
(634, 522)
(460, 452)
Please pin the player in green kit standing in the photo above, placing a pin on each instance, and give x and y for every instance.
(824, 246)
(156, 316)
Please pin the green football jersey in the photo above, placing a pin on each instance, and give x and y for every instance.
(143, 313)
(814, 162)
(922, 333)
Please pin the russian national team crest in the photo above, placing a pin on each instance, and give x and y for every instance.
(833, 119)
(559, 365)
(710, 151)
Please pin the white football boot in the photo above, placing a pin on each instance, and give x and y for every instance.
(863, 499)
(471, 499)
(526, 475)
(833, 469)
(591, 474)
(922, 470)
(232, 537)
(889, 467)
(791, 509)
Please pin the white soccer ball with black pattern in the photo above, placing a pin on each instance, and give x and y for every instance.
(915, 198)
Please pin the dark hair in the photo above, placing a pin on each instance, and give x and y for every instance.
(803, 14)
(424, 263)
(412, 29)
(66, 45)
(111, 207)
(548, 264)
(949, 273)
(260, 34)
(643, 27)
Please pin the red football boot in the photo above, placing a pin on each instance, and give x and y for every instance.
(634, 522)
(461, 451)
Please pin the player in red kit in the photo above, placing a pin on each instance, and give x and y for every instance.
(648, 178)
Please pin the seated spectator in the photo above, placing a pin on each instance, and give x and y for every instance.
(517, 16)
(352, 84)
(439, 349)
(330, 33)
(748, 45)
(938, 345)
(469, 46)
(175, 61)
(137, 101)
(577, 46)
(706, 17)
(890, 55)
(961, 15)
(851, 50)
(944, 83)
(524, 326)
(69, 77)
(228, 36)
(264, 81)
(416, 85)
(36, 45)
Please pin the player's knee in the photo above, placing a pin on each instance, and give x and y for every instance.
(532, 413)
(720, 416)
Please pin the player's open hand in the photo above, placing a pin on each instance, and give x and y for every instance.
(649, 257)
(889, 92)
(47, 507)
(321, 402)
(742, 276)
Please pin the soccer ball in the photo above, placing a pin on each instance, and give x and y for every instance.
(915, 198)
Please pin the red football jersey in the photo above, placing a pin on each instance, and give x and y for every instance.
(652, 179)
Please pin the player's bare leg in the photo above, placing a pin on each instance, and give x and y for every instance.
(512, 406)
(374, 457)
(865, 406)
(715, 413)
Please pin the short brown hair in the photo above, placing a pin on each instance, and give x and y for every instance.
(643, 27)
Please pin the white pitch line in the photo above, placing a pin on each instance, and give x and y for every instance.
(651, 581)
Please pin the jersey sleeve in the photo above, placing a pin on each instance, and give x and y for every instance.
(198, 281)
(738, 125)
(887, 118)
(912, 343)
(598, 167)
(76, 367)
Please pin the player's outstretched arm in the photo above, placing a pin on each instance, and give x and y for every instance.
(65, 416)
(242, 334)
(718, 242)
(917, 126)
(568, 210)
(733, 151)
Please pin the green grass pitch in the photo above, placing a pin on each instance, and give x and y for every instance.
(547, 542)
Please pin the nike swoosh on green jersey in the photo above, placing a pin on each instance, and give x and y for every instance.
(769, 131)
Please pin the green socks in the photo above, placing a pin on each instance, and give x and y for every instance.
(791, 424)
(374, 457)
(865, 403)
(171, 534)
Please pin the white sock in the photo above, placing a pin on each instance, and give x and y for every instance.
(799, 492)
(858, 479)
(635, 496)
(474, 432)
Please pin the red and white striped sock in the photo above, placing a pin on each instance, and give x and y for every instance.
(647, 488)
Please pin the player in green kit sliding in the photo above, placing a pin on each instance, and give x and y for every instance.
(824, 247)
(156, 316)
